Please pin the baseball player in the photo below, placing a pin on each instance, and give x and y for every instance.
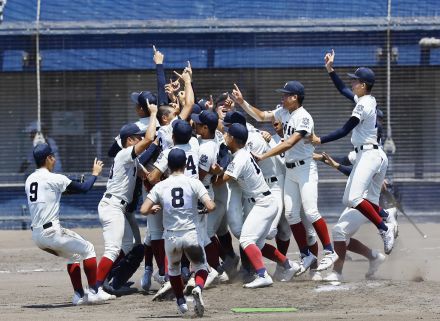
(351, 220)
(260, 207)
(43, 190)
(119, 192)
(301, 184)
(206, 125)
(178, 195)
(283, 235)
(362, 123)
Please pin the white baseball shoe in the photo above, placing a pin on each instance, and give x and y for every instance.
(388, 238)
(333, 277)
(146, 278)
(163, 291)
(212, 277)
(78, 299)
(259, 282)
(327, 260)
(315, 275)
(392, 218)
(100, 296)
(305, 263)
(223, 277)
(287, 274)
(374, 263)
(199, 305)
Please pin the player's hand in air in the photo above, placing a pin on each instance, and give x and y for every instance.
(189, 70)
(237, 95)
(170, 89)
(185, 76)
(152, 107)
(97, 167)
(329, 60)
(157, 56)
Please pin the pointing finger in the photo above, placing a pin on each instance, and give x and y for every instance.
(154, 48)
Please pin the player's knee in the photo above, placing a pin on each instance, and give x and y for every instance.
(174, 268)
(352, 201)
(293, 218)
(339, 234)
(312, 215)
(311, 239)
(90, 251)
(200, 266)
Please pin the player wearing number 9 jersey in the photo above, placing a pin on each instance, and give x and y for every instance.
(178, 196)
(43, 191)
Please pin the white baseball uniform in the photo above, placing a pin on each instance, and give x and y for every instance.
(208, 153)
(368, 158)
(191, 149)
(178, 196)
(260, 207)
(119, 193)
(301, 183)
(43, 191)
(351, 219)
(273, 175)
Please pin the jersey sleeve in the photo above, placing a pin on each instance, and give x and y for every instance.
(162, 161)
(60, 182)
(234, 168)
(356, 99)
(277, 113)
(304, 123)
(153, 195)
(358, 111)
(198, 188)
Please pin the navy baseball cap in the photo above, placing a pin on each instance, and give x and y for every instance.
(130, 130)
(364, 74)
(220, 99)
(206, 117)
(176, 158)
(293, 88)
(238, 131)
(140, 98)
(202, 103)
(233, 117)
(196, 109)
(182, 129)
(41, 151)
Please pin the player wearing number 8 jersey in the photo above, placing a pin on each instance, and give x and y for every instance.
(43, 190)
(178, 196)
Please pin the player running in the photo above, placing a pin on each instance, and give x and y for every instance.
(43, 191)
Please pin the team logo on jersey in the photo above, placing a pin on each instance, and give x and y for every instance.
(230, 167)
(359, 108)
(203, 159)
(305, 122)
(250, 145)
(160, 156)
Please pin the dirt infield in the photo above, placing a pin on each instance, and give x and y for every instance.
(34, 285)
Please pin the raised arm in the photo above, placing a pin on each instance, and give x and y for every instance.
(83, 187)
(150, 133)
(254, 112)
(189, 93)
(162, 97)
(339, 84)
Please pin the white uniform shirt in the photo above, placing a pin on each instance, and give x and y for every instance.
(208, 153)
(178, 196)
(192, 158)
(122, 177)
(43, 191)
(165, 135)
(298, 120)
(366, 131)
(257, 145)
(248, 174)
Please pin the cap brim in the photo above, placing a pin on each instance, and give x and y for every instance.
(282, 90)
(134, 97)
(352, 76)
(196, 118)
